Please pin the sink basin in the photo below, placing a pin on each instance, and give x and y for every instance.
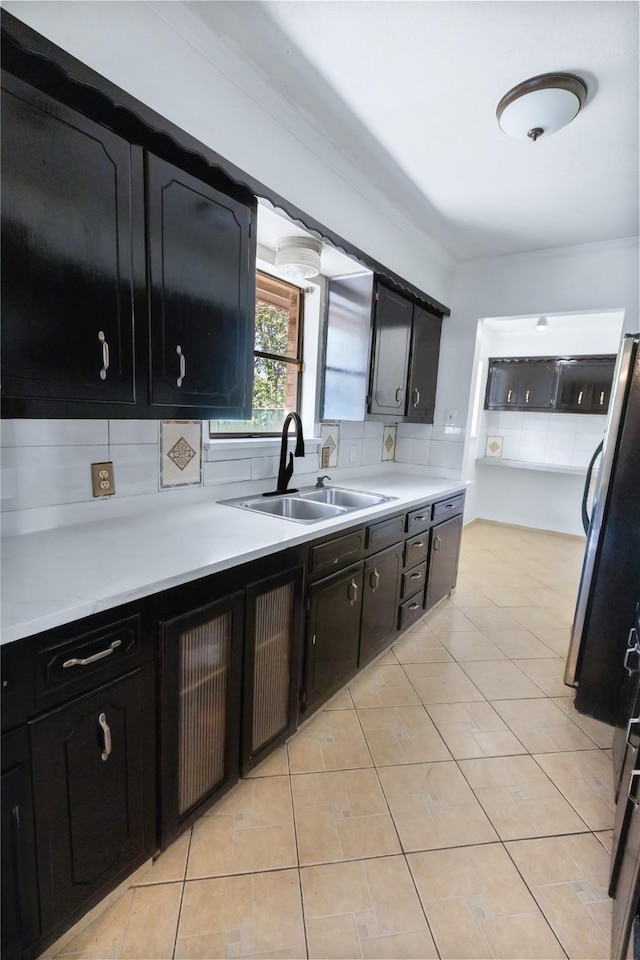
(292, 508)
(351, 499)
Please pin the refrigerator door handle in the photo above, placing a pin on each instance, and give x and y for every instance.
(586, 519)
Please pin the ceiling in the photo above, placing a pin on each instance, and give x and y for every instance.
(407, 92)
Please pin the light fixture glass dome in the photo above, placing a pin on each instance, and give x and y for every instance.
(541, 106)
(299, 257)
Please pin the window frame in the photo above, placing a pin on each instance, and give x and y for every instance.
(298, 360)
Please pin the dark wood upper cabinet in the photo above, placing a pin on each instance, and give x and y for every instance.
(67, 239)
(200, 293)
(391, 341)
(128, 286)
(423, 366)
(556, 384)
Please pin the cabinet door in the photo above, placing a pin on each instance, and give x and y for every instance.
(585, 386)
(423, 370)
(333, 631)
(88, 762)
(379, 601)
(19, 879)
(536, 383)
(67, 285)
(202, 294)
(201, 663)
(392, 331)
(502, 385)
(271, 667)
(443, 559)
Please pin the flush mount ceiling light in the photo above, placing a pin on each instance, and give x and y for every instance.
(541, 105)
(542, 324)
(299, 257)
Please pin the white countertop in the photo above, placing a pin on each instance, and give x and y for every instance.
(526, 465)
(56, 576)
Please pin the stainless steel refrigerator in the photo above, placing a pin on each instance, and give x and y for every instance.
(610, 581)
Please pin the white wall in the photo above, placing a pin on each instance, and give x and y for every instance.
(602, 276)
(163, 56)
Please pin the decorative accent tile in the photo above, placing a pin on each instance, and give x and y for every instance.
(389, 433)
(328, 451)
(180, 453)
(493, 447)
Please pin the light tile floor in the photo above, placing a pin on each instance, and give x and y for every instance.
(451, 803)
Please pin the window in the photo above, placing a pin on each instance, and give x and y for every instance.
(277, 360)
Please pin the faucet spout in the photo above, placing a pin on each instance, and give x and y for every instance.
(285, 470)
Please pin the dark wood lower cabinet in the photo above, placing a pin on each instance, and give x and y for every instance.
(443, 560)
(94, 810)
(20, 915)
(379, 611)
(200, 710)
(271, 675)
(333, 629)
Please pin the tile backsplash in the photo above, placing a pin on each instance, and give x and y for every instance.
(559, 439)
(46, 476)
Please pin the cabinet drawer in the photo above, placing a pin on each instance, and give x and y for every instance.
(92, 657)
(415, 550)
(412, 609)
(336, 553)
(413, 580)
(380, 534)
(448, 508)
(419, 519)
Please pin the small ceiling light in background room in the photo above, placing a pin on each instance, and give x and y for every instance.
(541, 105)
(299, 257)
(542, 324)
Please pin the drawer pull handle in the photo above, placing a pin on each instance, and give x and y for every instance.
(437, 543)
(183, 366)
(632, 722)
(580, 398)
(352, 592)
(416, 576)
(449, 506)
(106, 729)
(78, 662)
(413, 606)
(636, 803)
(418, 518)
(374, 580)
(418, 543)
(509, 396)
(416, 397)
(602, 398)
(105, 355)
(526, 396)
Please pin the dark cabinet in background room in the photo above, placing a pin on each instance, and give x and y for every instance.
(520, 384)
(584, 386)
(555, 384)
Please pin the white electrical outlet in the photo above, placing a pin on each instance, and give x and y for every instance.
(451, 417)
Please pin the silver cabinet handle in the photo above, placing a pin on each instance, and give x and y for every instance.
(374, 580)
(416, 397)
(183, 366)
(105, 355)
(418, 543)
(416, 576)
(352, 592)
(632, 647)
(106, 729)
(78, 662)
(399, 394)
(602, 398)
(580, 398)
(416, 519)
(413, 606)
(526, 396)
(632, 722)
(509, 396)
(449, 506)
(437, 543)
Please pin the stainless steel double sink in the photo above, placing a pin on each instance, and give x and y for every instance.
(310, 505)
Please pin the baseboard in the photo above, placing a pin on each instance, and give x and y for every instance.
(517, 526)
